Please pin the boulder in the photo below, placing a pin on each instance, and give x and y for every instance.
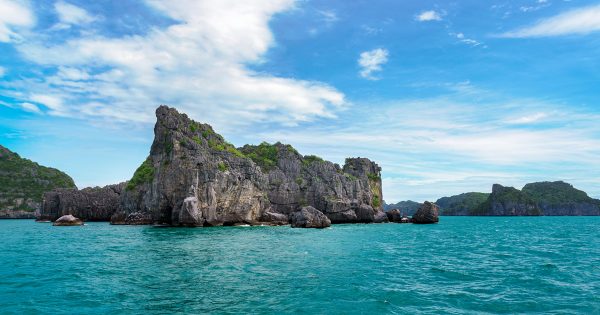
(394, 215)
(427, 213)
(67, 220)
(380, 217)
(309, 217)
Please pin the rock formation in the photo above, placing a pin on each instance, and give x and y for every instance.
(90, 204)
(67, 220)
(541, 198)
(309, 217)
(427, 213)
(394, 215)
(22, 184)
(193, 177)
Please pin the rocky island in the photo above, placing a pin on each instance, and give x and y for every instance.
(535, 199)
(194, 177)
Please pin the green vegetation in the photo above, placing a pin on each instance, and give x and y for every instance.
(461, 204)
(143, 174)
(555, 193)
(264, 154)
(375, 201)
(197, 139)
(309, 159)
(350, 176)
(299, 181)
(193, 127)
(22, 179)
(374, 177)
(223, 167)
(168, 147)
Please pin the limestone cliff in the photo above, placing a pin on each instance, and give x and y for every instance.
(193, 177)
(89, 204)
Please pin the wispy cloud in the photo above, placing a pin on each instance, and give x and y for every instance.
(13, 15)
(371, 61)
(430, 15)
(578, 21)
(197, 64)
(70, 14)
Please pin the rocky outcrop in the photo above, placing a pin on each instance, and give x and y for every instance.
(427, 213)
(394, 215)
(309, 217)
(193, 177)
(68, 220)
(22, 184)
(89, 204)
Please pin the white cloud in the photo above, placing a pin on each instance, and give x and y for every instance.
(577, 21)
(69, 14)
(371, 61)
(463, 39)
(446, 145)
(13, 15)
(31, 108)
(196, 64)
(430, 15)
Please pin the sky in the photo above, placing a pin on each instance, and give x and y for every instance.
(446, 96)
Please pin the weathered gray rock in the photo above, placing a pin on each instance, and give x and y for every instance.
(380, 217)
(274, 218)
(135, 218)
(394, 215)
(309, 217)
(90, 204)
(427, 213)
(193, 177)
(67, 220)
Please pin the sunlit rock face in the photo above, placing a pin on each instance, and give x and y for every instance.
(193, 177)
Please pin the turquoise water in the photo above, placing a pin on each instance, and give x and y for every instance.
(471, 265)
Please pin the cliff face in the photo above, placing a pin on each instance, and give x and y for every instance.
(89, 204)
(193, 177)
(23, 182)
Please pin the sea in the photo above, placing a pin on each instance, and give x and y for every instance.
(462, 265)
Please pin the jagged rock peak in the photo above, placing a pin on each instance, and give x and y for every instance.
(194, 177)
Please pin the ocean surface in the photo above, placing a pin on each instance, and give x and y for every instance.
(463, 265)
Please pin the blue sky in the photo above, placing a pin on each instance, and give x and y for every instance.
(447, 97)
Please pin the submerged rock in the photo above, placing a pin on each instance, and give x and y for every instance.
(309, 217)
(427, 213)
(67, 220)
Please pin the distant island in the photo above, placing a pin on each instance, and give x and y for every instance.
(23, 183)
(194, 177)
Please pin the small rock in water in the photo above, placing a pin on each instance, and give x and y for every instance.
(67, 220)
(309, 217)
(427, 213)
